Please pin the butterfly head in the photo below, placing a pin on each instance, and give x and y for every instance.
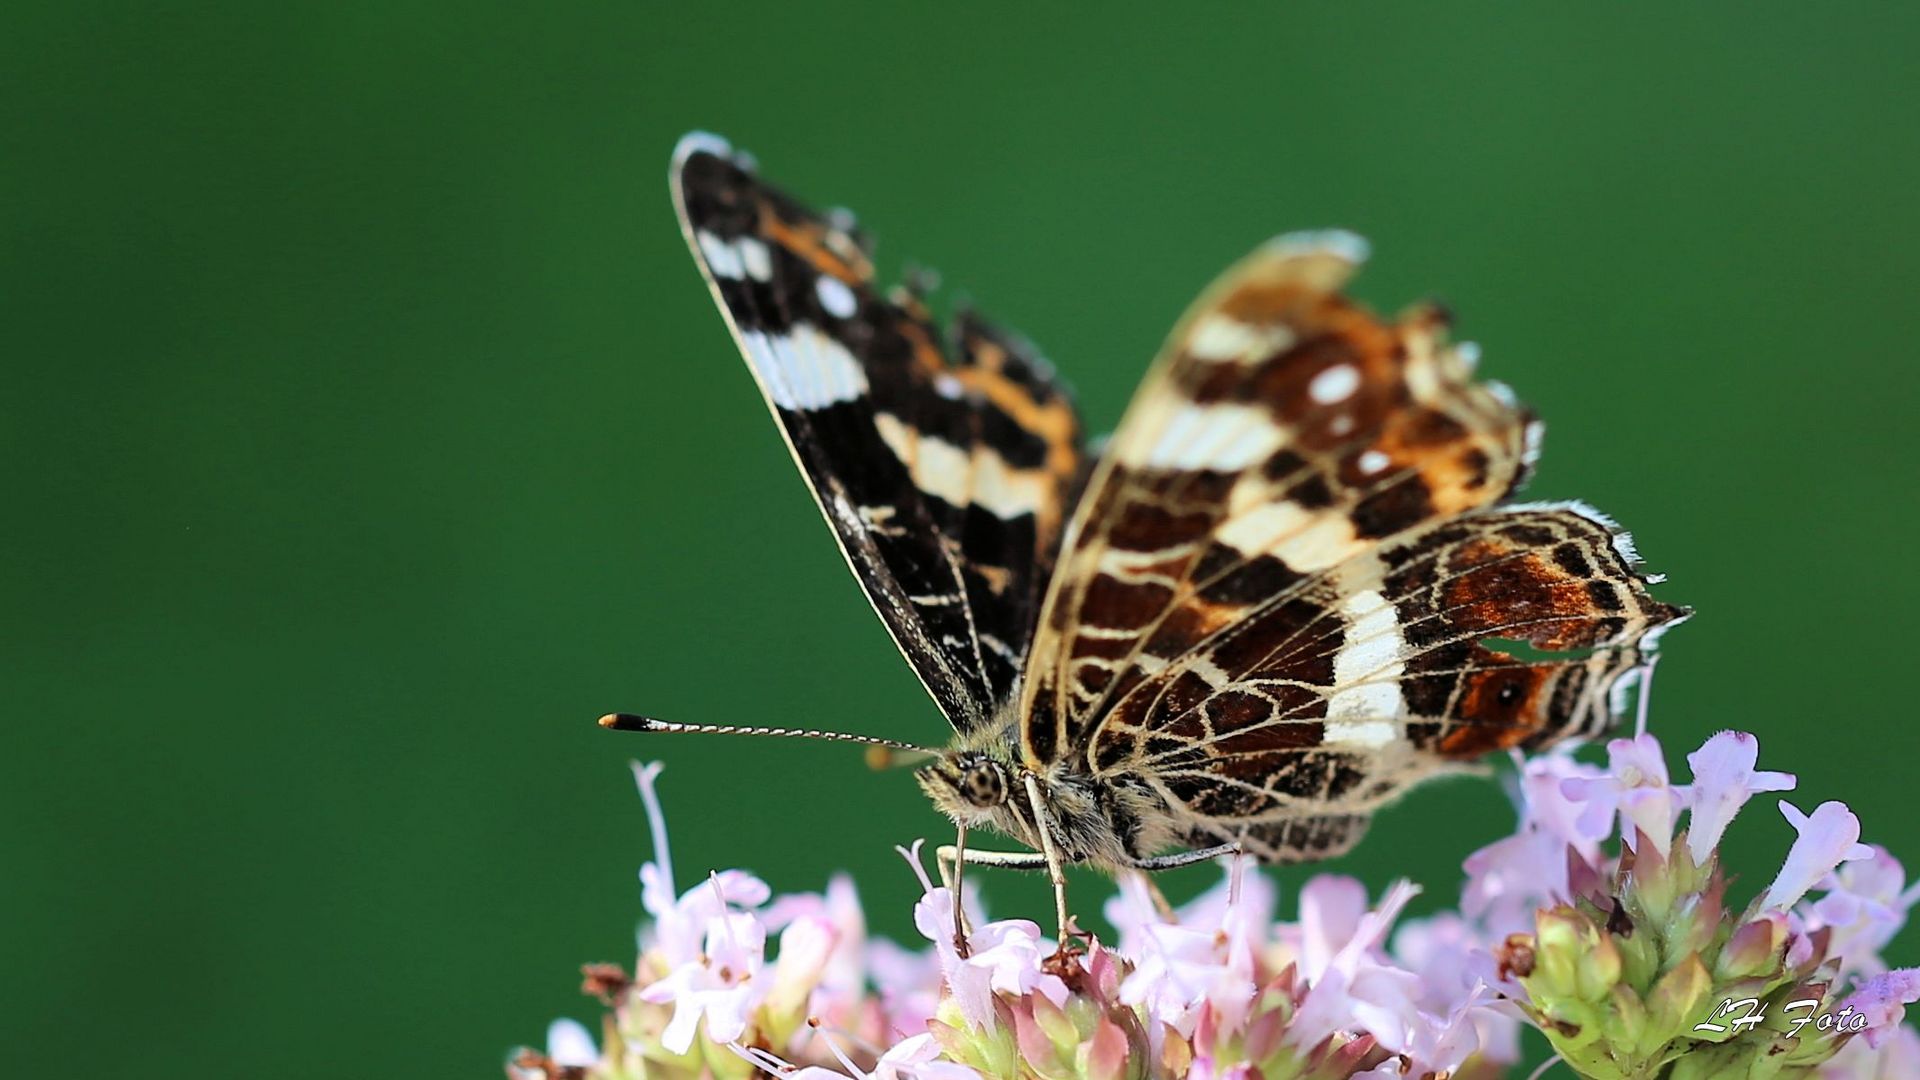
(967, 785)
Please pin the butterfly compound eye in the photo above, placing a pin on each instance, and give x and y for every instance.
(984, 784)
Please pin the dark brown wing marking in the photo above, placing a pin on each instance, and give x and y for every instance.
(944, 482)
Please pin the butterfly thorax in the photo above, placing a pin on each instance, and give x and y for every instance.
(981, 782)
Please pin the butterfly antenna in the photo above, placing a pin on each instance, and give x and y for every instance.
(630, 722)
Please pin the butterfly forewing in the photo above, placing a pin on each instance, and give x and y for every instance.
(942, 468)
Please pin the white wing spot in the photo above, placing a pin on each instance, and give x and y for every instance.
(1220, 337)
(805, 369)
(1373, 461)
(723, 259)
(1335, 384)
(1365, 709)
(1252, 532)
(1219, 437)
(1367, 734)
(755, 259)
(836, 297)
(959, 477)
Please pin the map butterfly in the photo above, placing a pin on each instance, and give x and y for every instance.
(1288, 587)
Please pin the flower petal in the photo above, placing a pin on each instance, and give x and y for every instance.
(1828, 838)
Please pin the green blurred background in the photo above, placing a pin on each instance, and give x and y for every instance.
(369, 432)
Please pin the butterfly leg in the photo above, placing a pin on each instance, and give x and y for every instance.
(1055, 873)
(949, 859)
(950, 877)
(1184, 858)
(1020, 860)
(1145, 867)
(1005, 860)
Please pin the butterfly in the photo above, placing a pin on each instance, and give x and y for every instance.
(1288, 587)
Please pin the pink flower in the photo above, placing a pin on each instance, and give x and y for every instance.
(1442, 949)
(1384, 999)
(1723, 780)
(1241, 903)
(1205, 958)
(1635, 788)
(1896, 1058)
(1883, 1000)
(844, 971)
(1180, 995)
(720, 986)
(1332, 909)
(907, 983)
(1007, 957)
(1510, 878)
(1004, 957)
(712, 953)
(1547, 807)
(1456, 967)
(1130, 910)
(822, 968)
(1431, 1044)
(1827, 839)
(1180, 970)
(680, 925)
(913, 1058)
(806, 945)
(1865, 906)
(1427, 1009)
(1327, 1006)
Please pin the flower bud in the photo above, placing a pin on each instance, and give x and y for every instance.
(1108, 1057)
(1675, 1005)
(1755, 949)
(1573, 958)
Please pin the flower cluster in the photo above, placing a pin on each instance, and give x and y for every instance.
(1634, 965)
(1601, 922)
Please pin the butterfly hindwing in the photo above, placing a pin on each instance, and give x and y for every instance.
(1285, 840)
(1335, 695)
(942, 468)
